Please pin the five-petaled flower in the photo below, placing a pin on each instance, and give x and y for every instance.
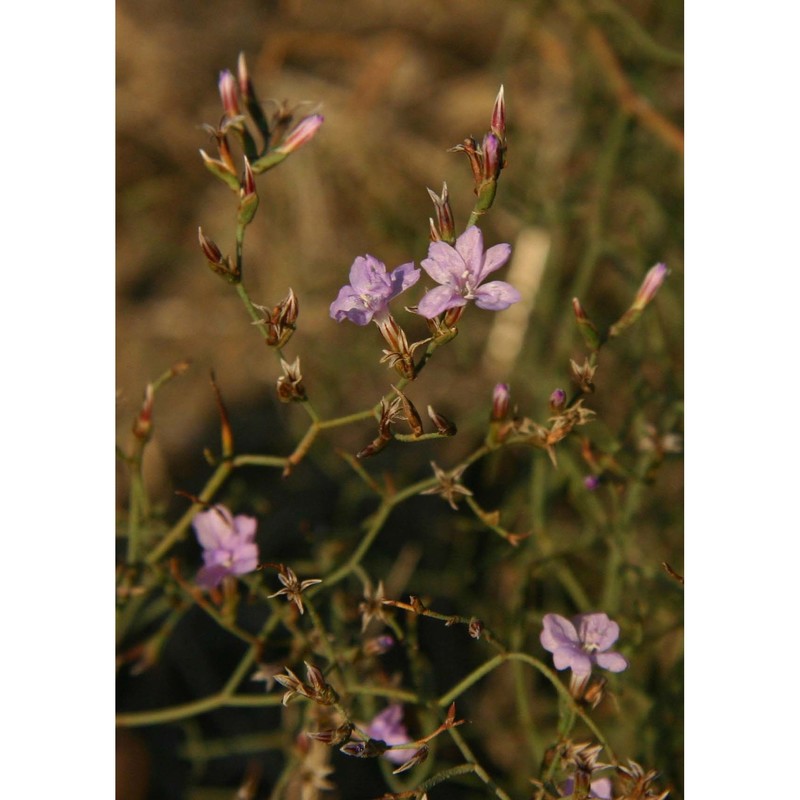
(461, 270)
(388, 727)
(367, 296)
(579, 644)
(228, 543)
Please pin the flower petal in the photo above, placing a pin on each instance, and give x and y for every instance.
(349, 305)
(496, 295)
(403, 277)
(613, 662)
(368, 275)
(574, 658)
(438, 300)
(495, 258)
(444, 265)
(470, 247)
(597, 630)
(245, 527)
(213, 527)
(209, 577)
(558, 632)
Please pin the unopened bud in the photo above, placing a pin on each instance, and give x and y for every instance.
(301, 134)
(245, 86)
(443, 425)
(221, 169)
(378, 645)
(143, 424)
(372, 748)
(492, 164)
(411, 415)
(417, 758)
(227, 92)
(647, 291)
(248, 199)
(557, 401)
(588, 331)
(501, 397)
(591, 482)
(650, 285)
(498, 124)
(475, 628)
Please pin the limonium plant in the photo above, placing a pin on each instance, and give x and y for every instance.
(331, 641)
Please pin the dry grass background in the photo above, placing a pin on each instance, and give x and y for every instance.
(591, 198)
(398, 83)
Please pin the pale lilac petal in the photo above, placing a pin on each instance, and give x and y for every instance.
(496, 295)
(438, 300)
(245, 527)
(349, 305)
(470, 247)
(613, 662)
(601, 788)
(495, 258)
(212, 529)
(597, 630)
(444, 265)
(209, 577)
(246, 559)
(557, 632)
(403, 277)
(574, 658)
(368, 275)
(388, 727)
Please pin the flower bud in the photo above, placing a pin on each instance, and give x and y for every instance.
(588, 331)
(647, 291)
(557, 401)
(248, 199)
(227, 92)
(443, 425)
(475, 628)
(501, 397)
(302, 133)
(378, 645)
(418, 757)
(143, 424)
(498, 124)
(492, 164)
(591, 482)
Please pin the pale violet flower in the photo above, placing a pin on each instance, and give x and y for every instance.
(584, 642)
(600, 788)
(461, 270)
(228, 543)
(370, 290)
(388, 727)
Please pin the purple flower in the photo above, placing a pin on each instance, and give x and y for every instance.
(577, 646)
(460, 270)
(371, 289)
(388, 727)
(228, 543)
(600, 788)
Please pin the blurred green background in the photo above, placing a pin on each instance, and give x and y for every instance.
(591, 198)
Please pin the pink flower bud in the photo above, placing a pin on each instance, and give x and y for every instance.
(557, 400)
(650, 285)
(499, 116)
(501, 398)
(227, 92)
(302, 133)
(492, 157)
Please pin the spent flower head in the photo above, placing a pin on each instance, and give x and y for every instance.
(582, 643)
(461, 269)
(293, 587)
(228, 543)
